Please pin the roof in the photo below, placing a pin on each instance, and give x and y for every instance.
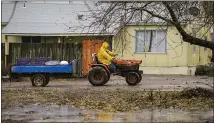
(7, 10)
(49, 19)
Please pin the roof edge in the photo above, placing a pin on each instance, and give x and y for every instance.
(58, 34)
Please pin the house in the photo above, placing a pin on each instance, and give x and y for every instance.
(168, 54)
(53, 29)
(57, 29)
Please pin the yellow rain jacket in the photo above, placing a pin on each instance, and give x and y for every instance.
(104, 55)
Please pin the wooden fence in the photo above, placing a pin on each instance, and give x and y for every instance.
(56, 51)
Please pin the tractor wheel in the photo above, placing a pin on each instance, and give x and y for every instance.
(140, 76)
(107, 79)
(132, 78)
(98, 76)
(39, 80)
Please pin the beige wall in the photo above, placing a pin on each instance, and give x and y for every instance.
(201, 55)
(12, 39)
(18, 39)
(179, 58)
(176, 54)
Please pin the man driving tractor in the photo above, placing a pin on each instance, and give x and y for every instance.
(106, 57)
(99, 74)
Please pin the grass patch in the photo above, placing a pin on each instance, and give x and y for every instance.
(109, 100)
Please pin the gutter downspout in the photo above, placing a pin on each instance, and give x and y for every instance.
(6, 37)
(6, 51)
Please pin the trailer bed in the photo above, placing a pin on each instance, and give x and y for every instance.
(41, 68)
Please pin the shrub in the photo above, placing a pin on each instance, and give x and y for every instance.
(207, 70)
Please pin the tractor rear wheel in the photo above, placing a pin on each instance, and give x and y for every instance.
(107, 78)
(132, 78)
(98, 76)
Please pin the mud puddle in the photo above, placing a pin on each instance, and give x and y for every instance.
(56, 113)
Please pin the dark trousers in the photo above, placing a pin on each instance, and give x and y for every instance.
(112, 67)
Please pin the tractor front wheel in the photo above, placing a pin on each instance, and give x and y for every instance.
(132, 78)
(98, 76)
(140, 76)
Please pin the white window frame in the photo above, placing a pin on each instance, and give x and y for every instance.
(136, 31)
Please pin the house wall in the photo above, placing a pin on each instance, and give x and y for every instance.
(201, 55)
(50, 46)
(11, 39)
(176, 60)
(18, 39)
(56, 39)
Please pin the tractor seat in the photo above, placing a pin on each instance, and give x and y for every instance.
(95, 58)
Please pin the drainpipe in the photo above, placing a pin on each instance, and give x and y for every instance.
(6, 50)
(6, 38)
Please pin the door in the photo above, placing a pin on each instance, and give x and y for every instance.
(89, 47)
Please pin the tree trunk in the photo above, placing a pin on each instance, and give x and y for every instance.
(212, 59)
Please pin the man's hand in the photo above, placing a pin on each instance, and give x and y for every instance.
(115, 54)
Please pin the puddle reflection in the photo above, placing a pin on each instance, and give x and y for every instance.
(55, 113)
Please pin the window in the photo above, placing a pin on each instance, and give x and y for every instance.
(151, 41)
(28, 39)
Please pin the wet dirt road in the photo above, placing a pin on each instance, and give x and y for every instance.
(154, 82)
(66, 113)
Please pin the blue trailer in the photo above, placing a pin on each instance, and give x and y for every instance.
(40, 74)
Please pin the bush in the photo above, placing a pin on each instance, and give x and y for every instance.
(207, 70)
(197, 92)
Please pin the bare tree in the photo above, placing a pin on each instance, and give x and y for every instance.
(174, 13)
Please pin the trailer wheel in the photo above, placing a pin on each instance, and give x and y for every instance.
(47, 80)
(132, 78)
(98, 76)
(39, 80)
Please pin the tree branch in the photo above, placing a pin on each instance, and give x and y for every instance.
(154, 15)
(186, 37)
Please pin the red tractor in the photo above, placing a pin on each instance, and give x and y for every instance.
(100, 73)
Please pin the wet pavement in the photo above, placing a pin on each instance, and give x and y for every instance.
(154, 82)
(56, 113)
